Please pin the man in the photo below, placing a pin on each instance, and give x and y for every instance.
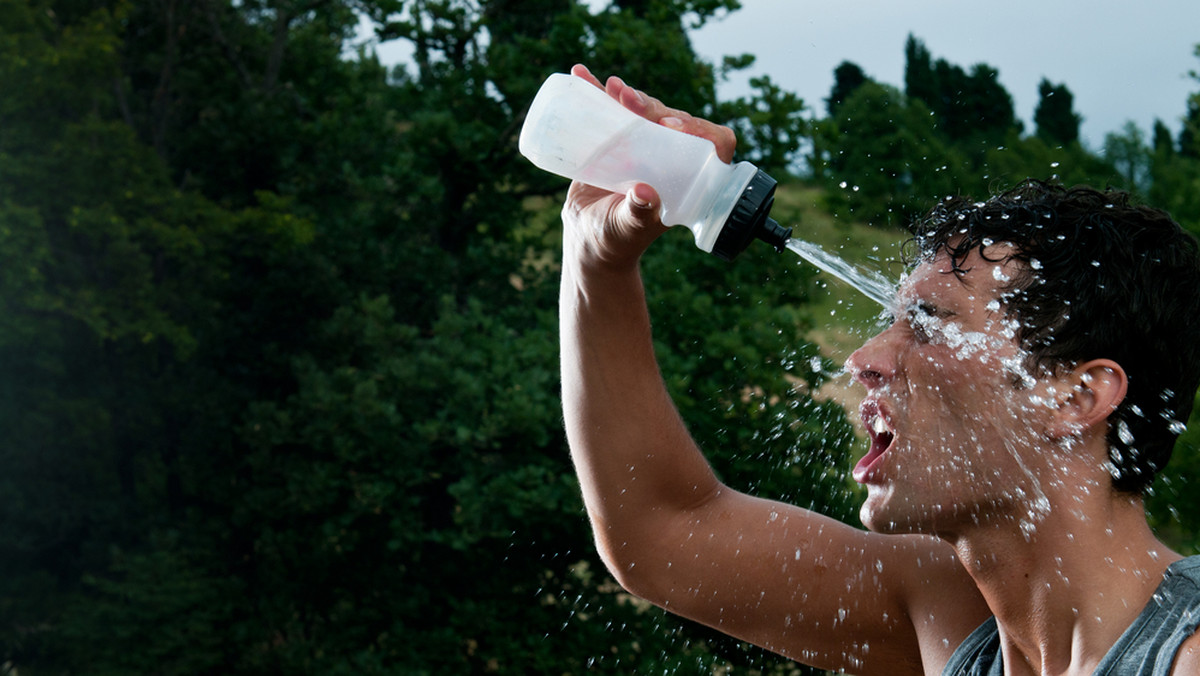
(1042, 354)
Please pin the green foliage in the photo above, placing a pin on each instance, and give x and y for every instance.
(967, 106)
(769, 126)
(1175, 186)
(1189, 136)
(407, 464)
(886, 156)
(1130, 157)
(1019, 158)
(1055, 117)
(884, 160)
(169, 591)
(1175, 169)
(847, 78)
(1173, 503)
(738, 367)
(279, 346)
(277, 330)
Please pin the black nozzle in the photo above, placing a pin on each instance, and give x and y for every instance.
(749, 220)
(774, 234)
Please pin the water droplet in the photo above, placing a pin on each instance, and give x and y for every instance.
(1123, 433)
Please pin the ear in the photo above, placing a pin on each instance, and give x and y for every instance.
(1092, 391)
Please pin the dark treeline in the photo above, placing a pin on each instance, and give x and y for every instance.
(953, 131)
(278, 362)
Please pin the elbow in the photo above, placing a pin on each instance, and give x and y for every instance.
(625, 570)
(638, 568)
(641, 552)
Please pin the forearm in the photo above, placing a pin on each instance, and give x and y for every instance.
(637, 465)
(641, 474)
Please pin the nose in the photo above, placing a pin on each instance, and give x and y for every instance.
(874, 364)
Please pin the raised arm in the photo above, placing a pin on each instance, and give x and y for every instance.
(778, 576)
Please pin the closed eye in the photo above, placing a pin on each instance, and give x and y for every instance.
(925, 320)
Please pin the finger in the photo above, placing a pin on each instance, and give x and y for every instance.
(633, 99)
(639, 102)
(721, 136)
(626, 95)
(655, 110)
(581, 71)
(652, 109)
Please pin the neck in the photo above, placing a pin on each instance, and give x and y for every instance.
(1065, 584)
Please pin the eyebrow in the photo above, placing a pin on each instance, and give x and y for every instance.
(932, 309)
(918, 305)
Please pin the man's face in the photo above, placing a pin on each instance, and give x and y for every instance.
(957, 424)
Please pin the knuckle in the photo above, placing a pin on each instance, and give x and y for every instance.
(727, 136)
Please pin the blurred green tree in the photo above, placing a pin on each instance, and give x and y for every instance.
(968, 106)
(1130, 156)
(1054, 117)
(770, 126)
(847, 78)
(884, 160)
(1189, 135)
(280, 388)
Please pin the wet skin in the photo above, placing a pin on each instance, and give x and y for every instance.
(970, 446)
(954, 414)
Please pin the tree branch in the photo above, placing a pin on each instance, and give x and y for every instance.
(161, 105)
(279, 40)
(231, 54)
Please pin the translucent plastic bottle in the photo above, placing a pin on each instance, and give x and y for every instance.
(576, 130)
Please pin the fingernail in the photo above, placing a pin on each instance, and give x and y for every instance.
(640, 201)
(672, 122)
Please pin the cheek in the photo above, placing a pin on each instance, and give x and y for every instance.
(936, 375)
(969, 381)
(958, 405)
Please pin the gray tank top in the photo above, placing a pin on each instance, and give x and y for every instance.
(1147, 648)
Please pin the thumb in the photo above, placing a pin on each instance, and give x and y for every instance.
(640, 211)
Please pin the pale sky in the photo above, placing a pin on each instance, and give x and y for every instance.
(1122, 60)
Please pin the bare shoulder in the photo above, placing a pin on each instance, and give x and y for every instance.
(1187, 660)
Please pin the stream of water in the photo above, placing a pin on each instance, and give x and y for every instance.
(870, 283)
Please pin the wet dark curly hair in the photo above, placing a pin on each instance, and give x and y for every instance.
(1103, 278)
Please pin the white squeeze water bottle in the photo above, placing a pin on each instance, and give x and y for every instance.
(576, 130)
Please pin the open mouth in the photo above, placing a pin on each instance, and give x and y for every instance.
(881, 434)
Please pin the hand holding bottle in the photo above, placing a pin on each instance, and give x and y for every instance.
(616, 228)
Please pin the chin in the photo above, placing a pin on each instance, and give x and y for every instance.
(880, 517)
(880, 513)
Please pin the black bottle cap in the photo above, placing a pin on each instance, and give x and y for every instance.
(749, 219)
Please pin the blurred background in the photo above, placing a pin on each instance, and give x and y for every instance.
(278, 352)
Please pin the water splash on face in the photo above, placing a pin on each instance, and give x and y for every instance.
(999, 414)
